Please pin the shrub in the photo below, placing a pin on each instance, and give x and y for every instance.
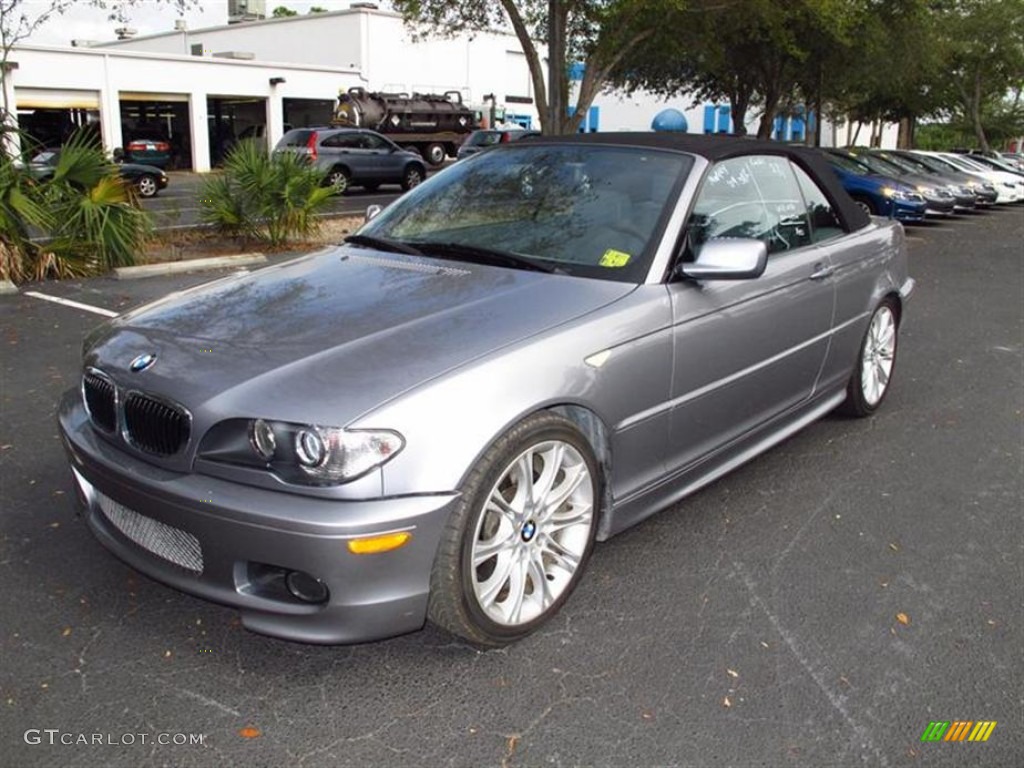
(263, 196)
(86, 219)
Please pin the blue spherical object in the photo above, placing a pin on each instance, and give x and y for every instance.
(670, 120)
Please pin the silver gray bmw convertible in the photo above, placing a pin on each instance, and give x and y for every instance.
(532, 351)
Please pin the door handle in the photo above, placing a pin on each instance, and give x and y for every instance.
(822, 271)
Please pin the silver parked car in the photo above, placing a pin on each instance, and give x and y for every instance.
(354, 157)
(534, 350)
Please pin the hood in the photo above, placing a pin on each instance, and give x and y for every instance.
(327, 337)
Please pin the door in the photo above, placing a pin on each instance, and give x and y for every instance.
(344, 148)
(747, 350)
(387, 164)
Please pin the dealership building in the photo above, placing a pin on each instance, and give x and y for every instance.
(200, 90)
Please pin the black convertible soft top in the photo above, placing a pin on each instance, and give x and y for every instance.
(720, 147)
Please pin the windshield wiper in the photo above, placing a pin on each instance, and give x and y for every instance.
(479, 254)
(383, 244)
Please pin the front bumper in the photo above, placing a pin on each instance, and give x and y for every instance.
(244, 545)
(905, 210)
(939, 206)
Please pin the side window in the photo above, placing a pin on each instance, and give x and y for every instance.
(752, 197)
(369, 141)
(825, 224)
(341, 141)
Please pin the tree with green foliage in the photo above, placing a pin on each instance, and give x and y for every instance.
(603, 36)
(317, 9)
(751, 53)
(984, 42)
(283, 12)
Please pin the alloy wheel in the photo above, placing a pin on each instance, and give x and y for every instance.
(533, 533)
(878, 356)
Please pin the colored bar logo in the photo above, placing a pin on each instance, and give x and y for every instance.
(958, 730)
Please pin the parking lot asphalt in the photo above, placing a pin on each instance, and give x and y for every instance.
(818, 607)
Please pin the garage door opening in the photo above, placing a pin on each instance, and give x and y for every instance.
(49, 117)
(232, 119)
(305, 113)
(155, 129)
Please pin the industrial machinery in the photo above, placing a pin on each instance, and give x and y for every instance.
(433, 125)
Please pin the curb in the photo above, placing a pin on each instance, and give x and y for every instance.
(190, 265)
(6, 286)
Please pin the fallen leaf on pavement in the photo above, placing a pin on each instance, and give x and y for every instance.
(903, 619)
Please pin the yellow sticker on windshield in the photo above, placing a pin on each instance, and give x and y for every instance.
(613, 258)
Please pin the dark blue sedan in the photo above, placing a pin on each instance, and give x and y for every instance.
(878, 195)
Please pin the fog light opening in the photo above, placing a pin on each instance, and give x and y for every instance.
(306, 588)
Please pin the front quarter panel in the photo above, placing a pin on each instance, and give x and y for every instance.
(449, 422)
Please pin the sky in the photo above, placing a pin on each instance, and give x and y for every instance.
(86, 22)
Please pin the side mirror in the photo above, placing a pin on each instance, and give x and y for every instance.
(728, 259)
(371, 212)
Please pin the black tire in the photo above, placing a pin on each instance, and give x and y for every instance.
(866, 204)
(338, 179)
(412, 176)
(435, 153)
(860, 400)
(146, 185)
(454, 605)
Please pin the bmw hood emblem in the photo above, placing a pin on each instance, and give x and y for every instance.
(142, 362)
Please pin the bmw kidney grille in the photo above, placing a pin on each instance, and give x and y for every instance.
(152, 425)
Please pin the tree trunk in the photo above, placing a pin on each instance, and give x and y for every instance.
(979, 129)
(558, 117)
(532, 59)
(819, 86)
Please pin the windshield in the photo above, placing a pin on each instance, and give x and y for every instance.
(586, 210)
(880, 165)
(46, 158)
(931, 163)
(907, 166)
(483, 139)
(847, 164)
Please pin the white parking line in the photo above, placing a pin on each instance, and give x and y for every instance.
(69, 303)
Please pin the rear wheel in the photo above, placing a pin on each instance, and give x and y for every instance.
(870, 379)
(435, 154)
(338, 180)
(412, 177)
(516, 545)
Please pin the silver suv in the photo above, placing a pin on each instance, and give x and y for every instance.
(355, 157)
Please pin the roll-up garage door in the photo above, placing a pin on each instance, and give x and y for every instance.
(56, 98)
(147, 96)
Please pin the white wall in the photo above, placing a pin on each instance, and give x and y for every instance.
(111, 72)
(377, 44)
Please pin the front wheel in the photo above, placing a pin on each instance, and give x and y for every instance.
(412, 177)
(872, 374)
(516, 545)
(146, 185)
(866, 205)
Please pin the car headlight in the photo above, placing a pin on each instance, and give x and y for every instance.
(894, 194)
(308, 454)
(926, 191)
